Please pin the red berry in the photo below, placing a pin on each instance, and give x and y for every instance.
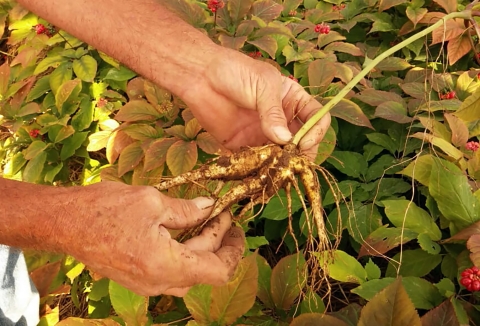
(292, 13)
(101, 102)
(214, 5)
(34, 133)
(322, 28)
(451, 94)
(292, 77)
(465, 281)
(472, 146)
(40, 28)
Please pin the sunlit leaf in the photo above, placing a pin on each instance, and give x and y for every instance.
(235, 298)
(451, 30)
(209, 144)
(85, 68)
(345, 48)
(470, 108)
(457, 48)
(287, 280)
(98, 140)
(129, 158)
(393, 64)
(67, 92)
(34, 149)
(448, 5)
(415, 14)
(349, 111)
(75, 321)
(266, 43)
(390, 307)
(321, 73)
(131, 307)
(375, 97)
(459, 129)
(342, 267)
(267, 10)
(34, 168)
(198, 300)
(182, 157)
(137, 110)
(156, 153)
(60, 76)
(43, 277)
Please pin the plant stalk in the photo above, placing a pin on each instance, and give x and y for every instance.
(467, 14)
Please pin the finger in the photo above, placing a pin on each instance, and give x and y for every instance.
(203, 267)
(269, 106)
(212, 234)
(183, 213)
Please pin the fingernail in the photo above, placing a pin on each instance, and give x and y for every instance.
(282, 133)
(203, 202)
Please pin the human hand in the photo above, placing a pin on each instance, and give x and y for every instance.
(120, 232)
(246, 102)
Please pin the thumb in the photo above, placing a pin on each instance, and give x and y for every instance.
(270, 108)
(183, 213)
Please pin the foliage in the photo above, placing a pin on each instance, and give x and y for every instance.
(407, 182)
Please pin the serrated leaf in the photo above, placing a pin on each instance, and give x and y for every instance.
(266, 10)
(198, 300)
(393, 64)
(321, 73)
(60, 76)
(344, 48)
(428, 245)
(350, 163)
(314, 318)
(287, 280)
(182, 157)
(386, 4)
(131, 307)
(341, 266)
(156, 154)
(373, 271)
(231, 301)
(34, 168)
(129, 158)
(137, 110)
(415, 262)
(451, 190)
(404, 213)
(443, 315)
(390, 307)
(85, 68)
(34, 149)
(192, 128)
(209, 144)
(385, 239)
(232, 42)
(266, 43)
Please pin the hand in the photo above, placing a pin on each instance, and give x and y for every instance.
(246, 102)
(121, 233)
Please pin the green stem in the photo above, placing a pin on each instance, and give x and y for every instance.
(327, 107)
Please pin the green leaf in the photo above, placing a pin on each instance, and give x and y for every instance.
(349, 163)
(34, 149)
(292, 55)
(276, 209)
(49, 61)
(84, 116)
(383, 140)
(344, 189)
(342, 267)
(363, 220)
(345, 48)
(99, 289)
(71, 144)
(451, 190)
(316, 319)
(51, 172)
(137, 110)
(60, 76)
(393, 111)
(182, 156)
(404, 213)
(312, 302)
(390, 307)
(120, 74)
(286, 275)
(98, 140)
(415, 262)
(415, 14)
(470, 108)
(264, 279)
(198, 300)
(393, 64)
(129, 158)
(326, 146)
(131, 307)
(67, 92)
(256, 242)
(446, 287)
(34, 168)
(384, 239)
(72, 267)
(85, 68)
(235, 298)
(443, 315)
(428, 245)
(58, 133)
(29, 108)
(420, 169)
(373, 271)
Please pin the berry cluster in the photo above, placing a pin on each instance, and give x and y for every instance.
(34, 133)
(292, 13)
(472, 146)
(40, 29)
(292, 77)
(339, 7)
(447, 95)
(102, 102)
(255, 54)
(470, 279)
(322, 28)
(214, 5)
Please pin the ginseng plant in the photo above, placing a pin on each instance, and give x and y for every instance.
(259, 173)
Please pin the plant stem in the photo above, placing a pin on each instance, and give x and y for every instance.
(467, 14)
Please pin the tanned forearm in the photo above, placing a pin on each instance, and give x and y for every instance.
(142, 34)
(30, 215)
